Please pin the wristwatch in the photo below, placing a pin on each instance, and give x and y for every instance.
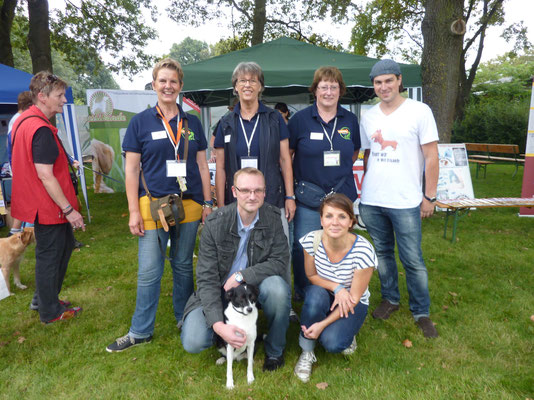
(430, 199)
(290, 198)
(238, 277)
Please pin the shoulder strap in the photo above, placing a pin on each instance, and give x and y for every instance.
(48, 123)
(317, 237)
(186, 144)
(144, 184)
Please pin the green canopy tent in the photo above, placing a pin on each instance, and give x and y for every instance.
(288, 66)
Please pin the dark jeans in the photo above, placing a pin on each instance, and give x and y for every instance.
(54, 245)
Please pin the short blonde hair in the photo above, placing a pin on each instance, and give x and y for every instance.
(45, 82)
(168, 63)
(248, 171)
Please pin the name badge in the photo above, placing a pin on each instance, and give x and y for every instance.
(316, 135)
(176, 168)
(249, 162)
(159, 135)
(331, 158)
(227, 138)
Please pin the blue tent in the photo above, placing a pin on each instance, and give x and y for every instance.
(14, 81)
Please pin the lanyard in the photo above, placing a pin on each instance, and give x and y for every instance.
(247, 140)
(174, 139)
(331, 137)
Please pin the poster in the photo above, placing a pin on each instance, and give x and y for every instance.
(454, 174)
(109, 113)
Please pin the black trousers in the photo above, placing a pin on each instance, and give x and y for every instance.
(54, 245)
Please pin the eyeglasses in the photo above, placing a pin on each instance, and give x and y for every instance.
(52, 78)
(247, 192)
(251, 82)
(325, 88)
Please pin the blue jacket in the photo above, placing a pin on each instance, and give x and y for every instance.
(269, 136)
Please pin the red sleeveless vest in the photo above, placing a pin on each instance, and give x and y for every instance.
(29, 197)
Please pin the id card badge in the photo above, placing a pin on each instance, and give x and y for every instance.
(249, 162)
(316, 135)
(176, 168)
(332, 158)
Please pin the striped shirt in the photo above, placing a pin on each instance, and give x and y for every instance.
(360, 256)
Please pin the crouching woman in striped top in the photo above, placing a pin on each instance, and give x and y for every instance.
(339, 266)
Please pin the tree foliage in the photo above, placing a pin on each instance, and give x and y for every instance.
(189, 51)
(110, 33)
(262, 20)
(497, 110)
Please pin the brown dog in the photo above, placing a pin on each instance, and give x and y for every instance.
(11, 254)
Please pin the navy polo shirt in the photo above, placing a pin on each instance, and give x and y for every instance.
(156, 149)
(241, 144)
(308, 164)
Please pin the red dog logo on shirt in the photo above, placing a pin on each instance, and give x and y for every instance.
(377, 137)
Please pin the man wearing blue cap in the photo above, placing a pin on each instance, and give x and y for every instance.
(400, 137)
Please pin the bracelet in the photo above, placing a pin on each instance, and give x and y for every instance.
(207, 204)
(290, 197)
(66, 209)
(338, 288)
(68, 212)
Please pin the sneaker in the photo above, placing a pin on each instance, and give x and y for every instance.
(427, 326)
(126, 342)
(303, 368)
(351, 349)
(293, 316)
(35, 306)
(69, 313)
(273, 363)
(384, 310)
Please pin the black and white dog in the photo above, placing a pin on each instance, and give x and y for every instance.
(243, 313)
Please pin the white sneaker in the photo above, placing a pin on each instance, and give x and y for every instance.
(303, 368)
(351, 349)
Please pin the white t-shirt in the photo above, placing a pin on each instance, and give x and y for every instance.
(360, 256)
(395, 166)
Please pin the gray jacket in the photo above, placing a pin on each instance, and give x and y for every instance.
(267, 250)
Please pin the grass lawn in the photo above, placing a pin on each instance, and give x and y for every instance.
(481, 287)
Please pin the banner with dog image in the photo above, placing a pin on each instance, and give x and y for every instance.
(109, 113)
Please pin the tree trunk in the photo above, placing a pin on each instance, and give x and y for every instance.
(259, 20)
(7, 13)
(440, 61)
(39, 36)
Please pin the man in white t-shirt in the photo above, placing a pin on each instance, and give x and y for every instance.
(400, 139)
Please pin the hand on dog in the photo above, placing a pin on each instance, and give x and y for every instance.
(346, 303)
(233, 335)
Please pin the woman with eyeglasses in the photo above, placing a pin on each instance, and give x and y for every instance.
(254, 135)
(325, 141)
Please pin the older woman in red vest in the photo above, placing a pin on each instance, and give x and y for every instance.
(43, 192)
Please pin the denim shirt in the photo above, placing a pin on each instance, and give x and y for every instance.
(241, 258)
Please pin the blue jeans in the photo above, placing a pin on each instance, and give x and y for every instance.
(305, 221)
(275, 300)
(385, 225)
(151, 263)
(337, 336)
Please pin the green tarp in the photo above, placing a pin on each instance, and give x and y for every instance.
(288, 66)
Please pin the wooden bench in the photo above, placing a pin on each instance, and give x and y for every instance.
(487, 153)
(460, 207)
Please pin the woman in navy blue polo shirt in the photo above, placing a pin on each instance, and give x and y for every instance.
(155, 139)
(254, 135)
(325, 141)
